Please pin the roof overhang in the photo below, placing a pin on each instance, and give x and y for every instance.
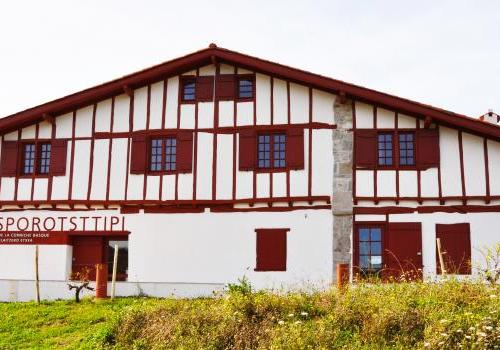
(213, 53)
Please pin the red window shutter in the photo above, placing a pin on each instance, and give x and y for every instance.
(271, 249)
(139, 154)
(427, 148)
(247, 150)
(204, 88)
(365, 148)
(59, 150)
(295, 149)
(226, 87)
(402, 255)
(456, 248)
(9, 163)
(184, 152)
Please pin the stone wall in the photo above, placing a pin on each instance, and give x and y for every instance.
(342, 196)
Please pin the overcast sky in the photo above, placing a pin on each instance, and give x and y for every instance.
(444, 53)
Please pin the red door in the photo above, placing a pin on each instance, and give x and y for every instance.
(87, 252)
(403, 251)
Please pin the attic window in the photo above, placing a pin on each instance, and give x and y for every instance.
(188, 90)
(36, 159)
(245, 88)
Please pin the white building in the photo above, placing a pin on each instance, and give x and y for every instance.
(218, 165)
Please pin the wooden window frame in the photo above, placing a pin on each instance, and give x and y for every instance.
(356, 258)
(271, 168)
(239, 77)
(185, 79)
(258, 258)
(163, 138)
(37, 159)
(395, 150)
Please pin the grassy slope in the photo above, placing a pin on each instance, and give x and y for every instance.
(400, 316)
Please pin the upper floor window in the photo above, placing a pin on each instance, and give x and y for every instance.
(188, 90)
(406, 148)
(271, 151)
(385, 149)
(245, 88)
(163, 154)
(36, 160)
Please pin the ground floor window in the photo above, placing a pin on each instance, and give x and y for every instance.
(271, 249)
(122, 265)
(369, 247)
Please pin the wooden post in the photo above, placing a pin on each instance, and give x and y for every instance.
(37, 279)
(101, 281)
(342, 275)
(440, 254)
(115, 263)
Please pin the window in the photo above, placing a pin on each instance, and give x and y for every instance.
(370, 250)
(163, 154)
(245, 88)
(406, 149)
(271, 249)
(36, 160)
(188, 90)
(385, 149)
(122, 264)
(272, 151)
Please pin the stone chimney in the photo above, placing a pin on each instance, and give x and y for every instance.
(490, 117)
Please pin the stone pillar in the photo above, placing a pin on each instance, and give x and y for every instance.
(342, 196)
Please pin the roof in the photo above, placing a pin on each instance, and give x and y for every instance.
(208, 55)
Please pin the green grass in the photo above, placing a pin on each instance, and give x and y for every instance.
(369, 316)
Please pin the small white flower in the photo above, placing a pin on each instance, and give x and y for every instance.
(468, 337)
(493, 296)
(443, 321)
(481, 334)
(441, 343)
(290, 315)
(488, 328)
(444, 334)
(426, 344)
(303, 313)
(298, 322)
(459, 331)
(472, 328)
(280, 322)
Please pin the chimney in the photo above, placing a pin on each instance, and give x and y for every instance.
(490, 117)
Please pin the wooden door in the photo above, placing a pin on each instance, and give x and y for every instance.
(87, 252)
(403, 251)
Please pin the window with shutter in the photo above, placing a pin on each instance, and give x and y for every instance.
(368, 247)
(271, 249)
(247, 150)
(187, 89)
(455, 248)
(138, 155)
(205, 88)
(59, 150)
(295, 145)
(427, 148)
(365, 148)
(184, 152)
(245, 87)
(225, 87)
(9, 160)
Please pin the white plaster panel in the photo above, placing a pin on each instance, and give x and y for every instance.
(207, 70)
(83, 122)
(386, 183)
(11, 136)
(60, 184)
(450, 162)
(81, 169)
(40, 190)
(185, 186)
(152, 187)
(205, 115)
(263, 99)
(156, 106)
(408, 184)
(385, 119)
(103, 116)
(135, 187)
(28, 132)
(370, 218)
(364, 183)
(172, 102)
(118, 171)
(64, 125)
(429, 183)
(299, 178)
(44, 130)
(280, 103)
(244, 113)
(299, 104)
(191, 72)
(224, 180)
(121, 114)
(323, 107)
(406, 122)
(263, 183)
(226, 69)
(226, 113)
(279, 185)
(204, 169)
(474, 169)
(494, 166)
(322, 163)
(100, 169)
(187, 116)
(244, 71)
(140, 108)
(244, 179)
(7, 189)
(24, 189)
(364, 115)
(168, 187)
